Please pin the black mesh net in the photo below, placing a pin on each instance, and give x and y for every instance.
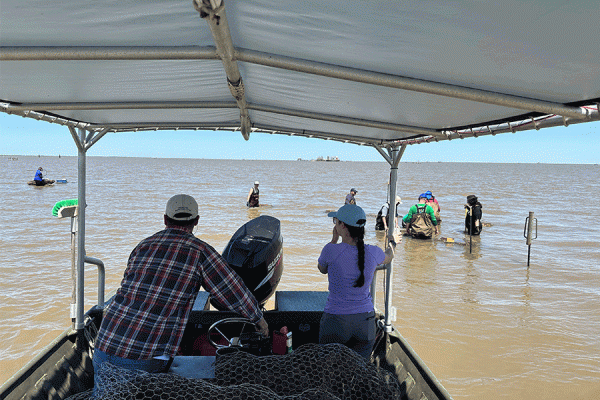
(311, 372)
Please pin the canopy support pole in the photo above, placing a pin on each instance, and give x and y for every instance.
(214, 13)
(84, 140)
(393, 157)
(81, 181)
(74, 270)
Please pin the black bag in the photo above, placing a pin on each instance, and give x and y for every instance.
(379, 220)
(475, 213)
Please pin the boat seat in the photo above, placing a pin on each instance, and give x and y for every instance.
(202, 301)
(196, 367)
(300, 300)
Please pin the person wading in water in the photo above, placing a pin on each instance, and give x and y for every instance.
(253, 196)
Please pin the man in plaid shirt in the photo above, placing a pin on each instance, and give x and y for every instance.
(143, 326)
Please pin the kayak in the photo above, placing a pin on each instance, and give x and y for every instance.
(47, 182)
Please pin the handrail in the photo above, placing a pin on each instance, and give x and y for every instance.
(101, 278)
(380, 267)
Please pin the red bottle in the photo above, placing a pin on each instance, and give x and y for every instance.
(282, 341)
(288, 339)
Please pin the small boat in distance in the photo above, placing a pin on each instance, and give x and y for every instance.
(334, 158)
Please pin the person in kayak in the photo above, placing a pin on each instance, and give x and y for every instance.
(349, 316)
(144, 324)
(39, 179)
(253, 196)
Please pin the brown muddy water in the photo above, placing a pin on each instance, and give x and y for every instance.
(487, 325)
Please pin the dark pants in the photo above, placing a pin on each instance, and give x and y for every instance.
(357, 331)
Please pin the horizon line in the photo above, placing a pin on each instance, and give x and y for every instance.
(298, 159)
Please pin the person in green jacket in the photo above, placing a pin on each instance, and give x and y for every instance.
(414, 210)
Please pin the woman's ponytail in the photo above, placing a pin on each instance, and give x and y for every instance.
(358, 233)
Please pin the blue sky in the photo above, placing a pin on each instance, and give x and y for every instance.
(576, 144)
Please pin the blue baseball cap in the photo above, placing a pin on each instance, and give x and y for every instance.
(422, 196)
(350, 214)
(428, 193)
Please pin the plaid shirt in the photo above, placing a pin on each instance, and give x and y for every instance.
(163, 275)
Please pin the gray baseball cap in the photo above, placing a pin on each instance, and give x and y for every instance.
(182, 207)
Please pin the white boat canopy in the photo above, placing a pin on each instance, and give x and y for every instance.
(384, 73)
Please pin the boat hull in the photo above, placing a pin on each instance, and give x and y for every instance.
(64, 368)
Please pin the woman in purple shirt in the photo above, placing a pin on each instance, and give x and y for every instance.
(349, 316)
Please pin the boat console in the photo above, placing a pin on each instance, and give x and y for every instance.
(298, 311)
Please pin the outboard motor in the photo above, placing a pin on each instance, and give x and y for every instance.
(255, 253)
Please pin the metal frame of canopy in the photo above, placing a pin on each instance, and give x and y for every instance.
(548, 113)
(390, 142)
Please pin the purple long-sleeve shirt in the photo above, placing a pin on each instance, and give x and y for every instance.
(341, 261)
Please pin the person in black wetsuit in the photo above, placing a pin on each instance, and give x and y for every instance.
(382, 221)
(253, 196)
(473, 216)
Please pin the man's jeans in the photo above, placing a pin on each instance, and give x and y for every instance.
(152, 365)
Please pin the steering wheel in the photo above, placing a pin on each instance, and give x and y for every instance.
(232, 341)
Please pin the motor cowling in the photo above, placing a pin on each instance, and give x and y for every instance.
(255, 253)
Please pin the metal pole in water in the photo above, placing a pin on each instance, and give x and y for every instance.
(528, 233)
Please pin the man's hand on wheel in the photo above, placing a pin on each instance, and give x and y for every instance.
(263, 327)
